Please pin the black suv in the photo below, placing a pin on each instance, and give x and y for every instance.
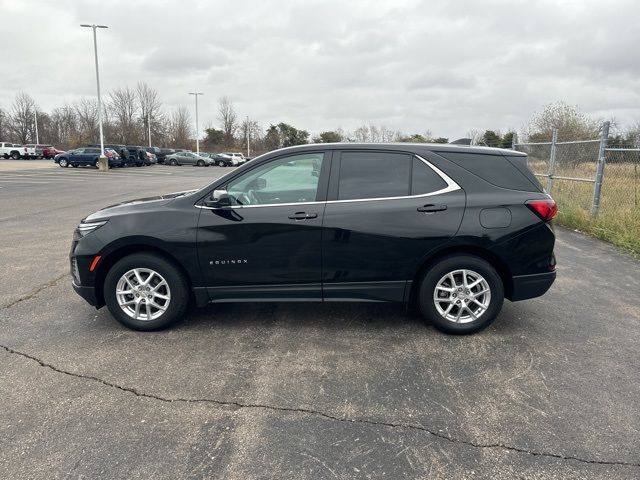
(452, 228)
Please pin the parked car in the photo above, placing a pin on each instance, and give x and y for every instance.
(87, 156)
(454, 229)
(224, 160)
(236, 156)
(151, 157)
(138, 155)
(11, 150)
(49, 151)
(162, 154)
(188, 158)
(32, 151)
(125, 157)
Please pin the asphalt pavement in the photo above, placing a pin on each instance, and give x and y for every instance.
(338, 391)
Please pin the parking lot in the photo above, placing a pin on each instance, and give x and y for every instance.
(243, 391)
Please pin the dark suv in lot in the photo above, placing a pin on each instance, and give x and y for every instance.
(455, 229)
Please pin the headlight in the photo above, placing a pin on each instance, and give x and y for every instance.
(87, 228)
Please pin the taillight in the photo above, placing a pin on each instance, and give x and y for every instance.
(545, 208)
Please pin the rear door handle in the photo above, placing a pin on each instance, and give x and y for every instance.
(430, 208)
(302, 216)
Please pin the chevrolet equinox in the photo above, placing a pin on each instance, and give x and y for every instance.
(454, 229)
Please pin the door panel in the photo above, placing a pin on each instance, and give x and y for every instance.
(267, 245)
(371, 247)
(253, 246)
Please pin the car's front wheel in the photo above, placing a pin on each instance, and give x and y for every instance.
(146, 292)
(221, 163)
(200, 163)
(63, 163)
(461, 294)
(173, 162)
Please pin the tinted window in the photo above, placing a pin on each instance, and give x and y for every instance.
(373, 175)
(91, 150)
(495, 169)
(520, 162)
(292, 179)
(424, 179)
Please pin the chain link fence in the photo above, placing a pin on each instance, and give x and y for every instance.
(597, 188)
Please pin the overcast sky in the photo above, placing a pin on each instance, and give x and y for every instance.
(446, 66)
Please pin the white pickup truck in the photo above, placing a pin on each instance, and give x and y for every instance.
(31, 150)
(11, 150)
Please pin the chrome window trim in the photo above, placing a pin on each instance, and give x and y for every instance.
(452, 186)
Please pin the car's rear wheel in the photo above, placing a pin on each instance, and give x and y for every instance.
(146, 292)
(221, 163)
(63, 163)
(15, 156)
(200, 163)
(461, 294)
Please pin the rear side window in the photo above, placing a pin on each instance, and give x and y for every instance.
(520, 162)
(495, 169)
(373, 175)
(424, 179)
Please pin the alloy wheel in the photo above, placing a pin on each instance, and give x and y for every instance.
(143, 294)
(462, 296)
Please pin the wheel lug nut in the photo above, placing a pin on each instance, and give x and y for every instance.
(458, 302)
(454, 295)
(459, 289)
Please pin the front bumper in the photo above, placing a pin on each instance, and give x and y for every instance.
(88, 293)
(531, 286)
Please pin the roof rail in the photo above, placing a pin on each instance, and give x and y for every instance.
(461, 141)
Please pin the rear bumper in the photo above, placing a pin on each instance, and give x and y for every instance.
(88, 293)
(531, 286)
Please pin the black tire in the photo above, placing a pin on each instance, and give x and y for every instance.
(178, 286)
(173, 162)
(449, 264)
(75, 165)
(63, 162)
(200, 163)
(97, 164)
(15, 155)
(221, 163)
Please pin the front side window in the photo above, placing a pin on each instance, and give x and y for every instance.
(373, 175)
(291, 179)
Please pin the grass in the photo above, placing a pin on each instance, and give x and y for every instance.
(618, 220)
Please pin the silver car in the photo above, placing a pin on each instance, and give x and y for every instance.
(188, 158)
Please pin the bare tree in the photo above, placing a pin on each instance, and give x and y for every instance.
(124, 108)
(87, 120)
(23, 118)
(4, 125)
(150, 111)
(251, 129)
(228, 119)
(179, 131)
(570, 122)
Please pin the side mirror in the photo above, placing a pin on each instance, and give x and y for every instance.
(218, 199)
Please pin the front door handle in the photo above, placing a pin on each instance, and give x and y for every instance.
(302, 216)
(430, 208)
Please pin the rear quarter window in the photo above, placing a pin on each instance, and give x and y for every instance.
(497, 170)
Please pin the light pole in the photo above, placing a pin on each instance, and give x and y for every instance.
(197, 133)
(103, 160)
(248, 130)
(35, 114)
(149, 126)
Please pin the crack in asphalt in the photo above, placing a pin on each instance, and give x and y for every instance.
(309, 411)
(34, 292)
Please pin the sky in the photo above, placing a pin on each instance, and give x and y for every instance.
(444, 66)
